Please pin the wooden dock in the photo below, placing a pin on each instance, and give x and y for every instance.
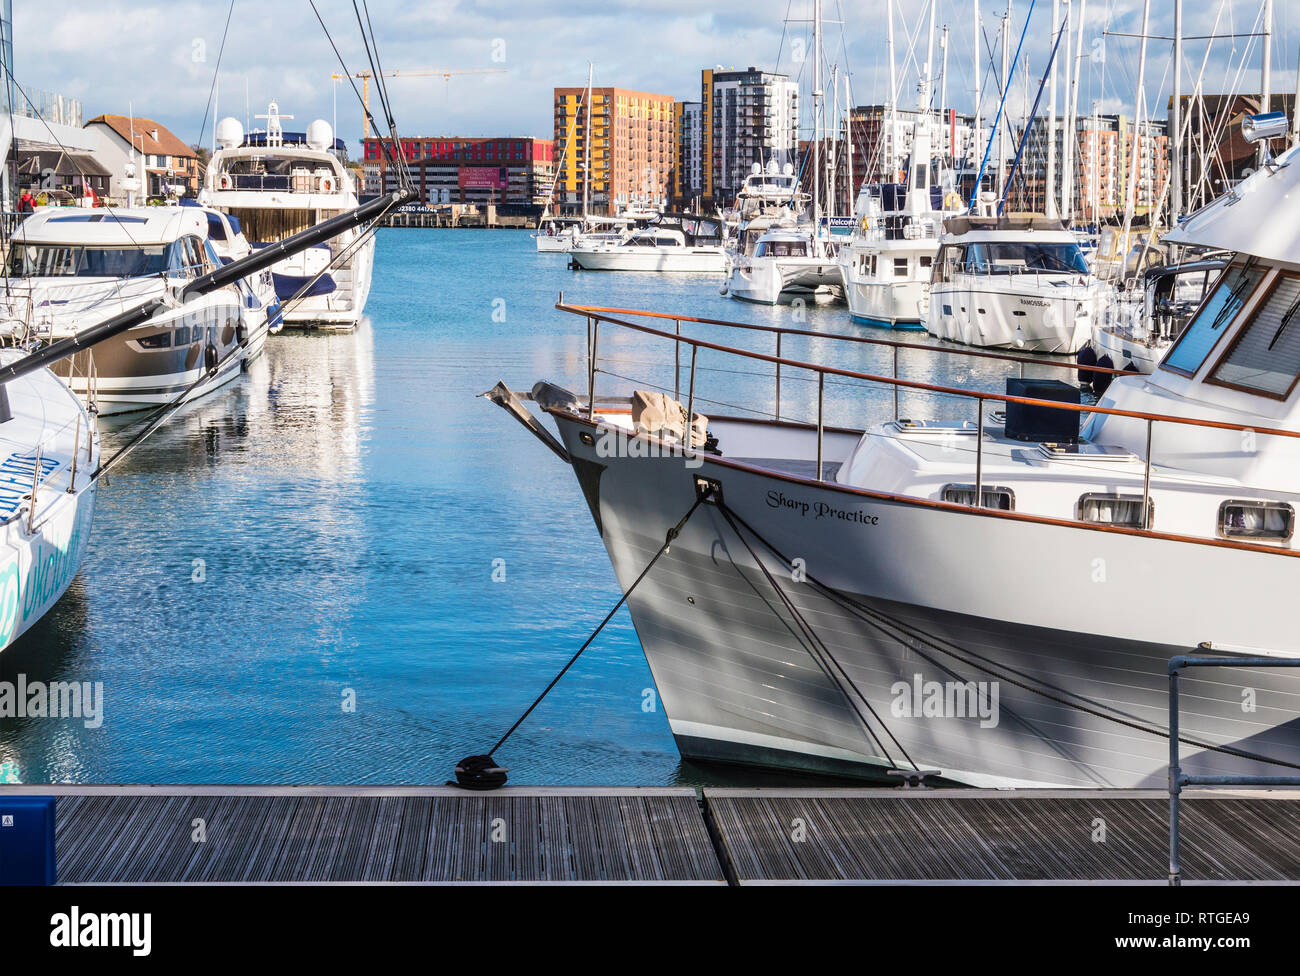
(602, 835)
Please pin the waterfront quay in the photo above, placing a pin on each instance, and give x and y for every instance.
(275, 835)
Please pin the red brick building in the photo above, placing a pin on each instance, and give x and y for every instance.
(457, 169)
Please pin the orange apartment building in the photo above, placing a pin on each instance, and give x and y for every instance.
(632, 142)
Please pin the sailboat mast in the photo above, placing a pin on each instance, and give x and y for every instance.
(848, 148)
(1067, 125)
(1049, 203)
(1265, 68)
(586, 162)
(816, 108)
(1176, 160)
(1002, 122)
(943, 86)
(1130, 192)
(1074, 103)
(892, 137)
(978, 138)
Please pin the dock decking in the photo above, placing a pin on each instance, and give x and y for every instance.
(526, 835)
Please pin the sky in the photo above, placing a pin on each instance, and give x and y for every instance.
(158, 59)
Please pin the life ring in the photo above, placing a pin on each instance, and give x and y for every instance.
(225, 182)
(327, 184)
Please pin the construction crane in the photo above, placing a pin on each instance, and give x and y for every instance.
(446, 74)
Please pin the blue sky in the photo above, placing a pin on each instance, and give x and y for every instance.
(159, 58)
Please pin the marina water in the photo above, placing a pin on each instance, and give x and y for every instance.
(346, 568)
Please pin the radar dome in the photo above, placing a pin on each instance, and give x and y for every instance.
(789, 169)
(320, 135)
(755, 169)
(230, 134)
(772, 167)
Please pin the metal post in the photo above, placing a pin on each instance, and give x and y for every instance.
(76, 452)
(821, 405)
(690, 404)
(895, 382)
(979, 453)
(1175, 788)
(778, 375)
(677, 362)
(1146, 483)
(36, 483)
(591, 371)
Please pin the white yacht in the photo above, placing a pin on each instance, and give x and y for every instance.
(789, 260)
(48, 450)
(71, 267)
(276, 184)
(1017, 282)
(886, 265)
(993, 594)
(1137, 326)
(680, 243)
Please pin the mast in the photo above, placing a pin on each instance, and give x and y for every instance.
(1074, 104)
(1049, 202)
(1067, 125)
(923, 89)
(586, 162)
(1265, 78)
(1176, 159)
(1130, 192)
(977, 136)
(943, 83)
(1006, 85)
(849, 194)
(817, 98)
(892, 138)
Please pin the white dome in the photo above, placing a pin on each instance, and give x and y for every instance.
(789, 169)
(320, 135)
(230, 133)
(755, 169)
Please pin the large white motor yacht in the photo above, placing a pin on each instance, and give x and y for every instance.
(682, 243)
(993, 592)
(276, 184)
(70, 267)
(886, 264)
(1017, 282)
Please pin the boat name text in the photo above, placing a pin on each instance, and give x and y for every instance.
(819, 510)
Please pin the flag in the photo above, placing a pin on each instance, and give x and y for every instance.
(90, 192)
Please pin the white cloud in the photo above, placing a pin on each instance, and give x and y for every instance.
(142, 55)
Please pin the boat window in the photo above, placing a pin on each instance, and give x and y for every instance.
(781, 249)
(1235, 286)
(1105, 508)
(1006, 257)
(183, 336)
(900, 267)
(58, 261)
(994, 496)
(1265, 355)
(160, 341)
(1262, 520)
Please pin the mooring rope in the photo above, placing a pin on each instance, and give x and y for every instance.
(481, 772)
(875, 617)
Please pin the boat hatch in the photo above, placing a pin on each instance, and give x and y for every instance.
(945, 427)
(1084, 451)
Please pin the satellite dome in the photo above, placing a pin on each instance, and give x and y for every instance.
(230, 133)
(789, 169)
(320, 135)
(755, 169)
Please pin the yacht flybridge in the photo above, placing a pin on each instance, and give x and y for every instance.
(1017, 282)
(277, 184)
(886, 265)
(71, 267)
(988, 584)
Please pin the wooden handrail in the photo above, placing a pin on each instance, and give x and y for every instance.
(890, 343)
(926, 387)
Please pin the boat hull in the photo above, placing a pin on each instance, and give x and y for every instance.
(1031, 319)
(1081, 685)
(688, 261)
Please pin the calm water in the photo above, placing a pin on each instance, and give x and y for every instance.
(327, 526)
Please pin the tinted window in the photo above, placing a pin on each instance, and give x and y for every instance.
(39, 260)
(1006, 257)
(1265, 356)
(1213, 318)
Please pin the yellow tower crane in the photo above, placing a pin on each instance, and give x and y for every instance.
(445, 73)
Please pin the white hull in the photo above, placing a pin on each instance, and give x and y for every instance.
(995, 312)
(1123, 349)
(989, 590)
(770, 281)
(705, 260)
(342, 308)
(885, 298)
(38, 564)
(553, 243)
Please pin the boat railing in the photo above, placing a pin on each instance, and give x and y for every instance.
(596, 315)
(1177, 778)
(35, 513)
(1012, 274)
